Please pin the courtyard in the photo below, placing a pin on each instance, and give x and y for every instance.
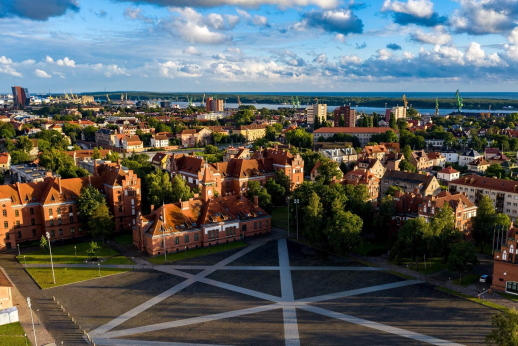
(276, 293)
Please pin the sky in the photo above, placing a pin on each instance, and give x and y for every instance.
(259, 45)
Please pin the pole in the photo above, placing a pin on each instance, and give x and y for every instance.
(32, 319)
(165, 249)
(25, 260)
(99, 266)
(424, 256)
(75, 252)
(498, 239)
(297, 214)
(288, 216)
(493, 248)
(18, 246)
(186, 252)
(51, 261)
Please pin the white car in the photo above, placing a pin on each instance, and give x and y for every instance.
(485, 278)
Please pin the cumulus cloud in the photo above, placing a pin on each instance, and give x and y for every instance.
(340, 21)
(419, 12)
(321, 59)
(394, 46)
(7, 68)
(438, 36)
(136, 14)
(384, 54)
(481, 17)
(193, 27)
(350, 59)
(191, 50)
(41, 74)
(242, 3)
(476, 56)
(66, 61)
(36, 9)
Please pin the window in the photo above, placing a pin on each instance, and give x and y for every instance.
(80, 229)
(196, 237)
(177, 240)
(16, 213)
(260, 224)
(504, 256)
(7, 236)
(33, 222)
(60, 232)
(19, 234)
(4, 213)
(266, 223)
(72, 230)
(17, 224)
(52, 234)
(243, 228)
(120, 208)
(58, 210)
(511, 287)
(71, 219)
(33, 232)
(119, 198)
(50, 212)
(255, 225)
(31, 211)
(186, 238)
(59, 221)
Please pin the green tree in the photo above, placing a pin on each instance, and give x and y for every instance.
(391, 137)
(412, 240)
(101, 223)
(391, 190)
(277, 192)
(44, 244)
(159, 188)
(210, 149)
(300, 138)
(89, 199)
(327, 170)
(462, 256)
(264, 198)
(407, 152)
(89, 133)
(313, 219)
(19, 157)
(94, 250)
(343, 229)
(405, 165)
(96, 154)
(244, 117)
(24, 143)
(442, 227)
(506, 332)
(387, 211)
(483, 223)
(270, 133)
(392, 121)
(180, 190)
(284, 181)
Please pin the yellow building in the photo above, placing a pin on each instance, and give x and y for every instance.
(251, 132)
(87, 99)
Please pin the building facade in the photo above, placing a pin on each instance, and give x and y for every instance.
(314, 111)
(344, 116)
(505, 267)
(364, 134)
(410, 182)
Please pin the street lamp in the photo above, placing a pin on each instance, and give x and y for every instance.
(75, 252)
(32, 319)
(165, 248)
(51, 262)
(25, 260)
(186, 252)
(99, 266)
(18, 246)
(288, 217)
(296, 201)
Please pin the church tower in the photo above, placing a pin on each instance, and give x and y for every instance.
(207, 184)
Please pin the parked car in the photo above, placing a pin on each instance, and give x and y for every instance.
(485, 278)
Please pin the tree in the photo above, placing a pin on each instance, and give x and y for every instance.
(284, 181)
(300, 138)
(159, 188)
(210, 149)
(244, 117)
(412, 239)
(313, 218)
(180, 190)
(270, 133)
(343, 229)
(405, 165)
(392, 121)
(407, 152)
(89, 133)
(391, 190)
(328, 170)
(24, 143)
(96, 154)
(44, 244)
(264, 198)
(101, 223)
(506, 332)
(442, 226)
(19, 157)
(483, 223)
(462, 255)
(391, 137)
(94, 250)
(277, 192)
(387, 211)
(88, 201)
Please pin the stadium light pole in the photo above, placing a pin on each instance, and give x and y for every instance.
(51, 261)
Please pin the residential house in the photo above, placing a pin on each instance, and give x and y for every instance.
(374, 166)
(425, 184)
(251, 132)
(189, 138)
(378, 152)
(5, 162)
(448, 174)
(479, 165)
(105, 138)
(393, 160)
(364, 177)
(160, 160)
(340, 155)
(505, 265)
(491, 152)
(438, 160)
(132, 143)
(468, 156)
(451, 155)
(159, 141)
(81, 155)
(421, 161)
(435, 144)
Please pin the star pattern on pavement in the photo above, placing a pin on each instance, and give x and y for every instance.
(105, 335)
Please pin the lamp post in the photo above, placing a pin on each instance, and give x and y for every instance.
(165, 248)
(99, 266)
(32, 319)
(18, 246)
(75, 252)
(296, 201)
(25, 260)
(186, 252)
(288, 216)
(51, 262)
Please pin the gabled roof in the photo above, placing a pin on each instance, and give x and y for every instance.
(487, 183)
(479, 162)
(448, 170)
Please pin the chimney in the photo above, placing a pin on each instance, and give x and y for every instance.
(256, 201)
(185, 205)
(59, 185)
(152, 208)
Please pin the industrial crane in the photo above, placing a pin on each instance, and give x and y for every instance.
(293, 102)
(298, 102)
(405, 101)
(108, 98)
(459, 101)
(436, 106)
(238, 100)
(203, 100)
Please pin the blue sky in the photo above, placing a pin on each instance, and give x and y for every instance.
(259, 45)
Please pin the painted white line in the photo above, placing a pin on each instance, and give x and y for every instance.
(360, 291)
(367, 269)
(125, 342)
(291, 327)
(384, 328)
(284, 263)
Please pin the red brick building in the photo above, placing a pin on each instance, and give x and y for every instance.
(29, 210)
(346, 114)
(505, 270)
(200, 222)
(364, 177)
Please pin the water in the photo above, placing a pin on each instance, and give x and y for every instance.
(397, 95)
(368, 110)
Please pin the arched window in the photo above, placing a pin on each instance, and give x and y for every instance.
(243, 228)
(504, 256)
(511, 249)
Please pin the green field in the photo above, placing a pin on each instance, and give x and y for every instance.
(467, 280)
(280, 219)
(64, 276)
(473, 299)
(512, 297)
(433, 265)
(65, 255)
(13, 335)
(178, 256)
(371, 249)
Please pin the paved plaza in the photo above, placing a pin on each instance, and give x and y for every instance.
(277, 293)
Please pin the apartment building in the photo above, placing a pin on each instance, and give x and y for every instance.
(344, 116)
(364, 134)
(251, 132)
(421, 161)
(340, 155)
(314, 111)
(424, 184)
(505, 267)
(192, 137)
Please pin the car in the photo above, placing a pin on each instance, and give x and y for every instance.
(485, 278)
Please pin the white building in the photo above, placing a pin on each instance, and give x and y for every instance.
(211, 116)
(468, 156)
(435, 143)
(448, 174)
(315, 110)
(159, 141)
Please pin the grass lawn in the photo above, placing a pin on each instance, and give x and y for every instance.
(65, 255)
(488, 249)
(467, 280)
(43, 276)
(13, 335)
(433, 265)
(512, 297)
(126, 239)
(280, 219)
(178, 256)
(473, 299)
(371, 249)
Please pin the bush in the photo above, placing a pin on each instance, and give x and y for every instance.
(94, 250)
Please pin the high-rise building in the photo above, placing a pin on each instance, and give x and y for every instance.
(20, 96)
(214, 105)
(316, 110)
(399, 113)
(347, 114)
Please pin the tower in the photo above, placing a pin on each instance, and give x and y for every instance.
(207, 184)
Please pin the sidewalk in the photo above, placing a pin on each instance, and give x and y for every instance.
(384, 263)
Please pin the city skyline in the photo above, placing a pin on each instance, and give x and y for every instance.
(259, 45)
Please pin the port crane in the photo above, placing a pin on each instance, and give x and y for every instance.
(459, 101)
